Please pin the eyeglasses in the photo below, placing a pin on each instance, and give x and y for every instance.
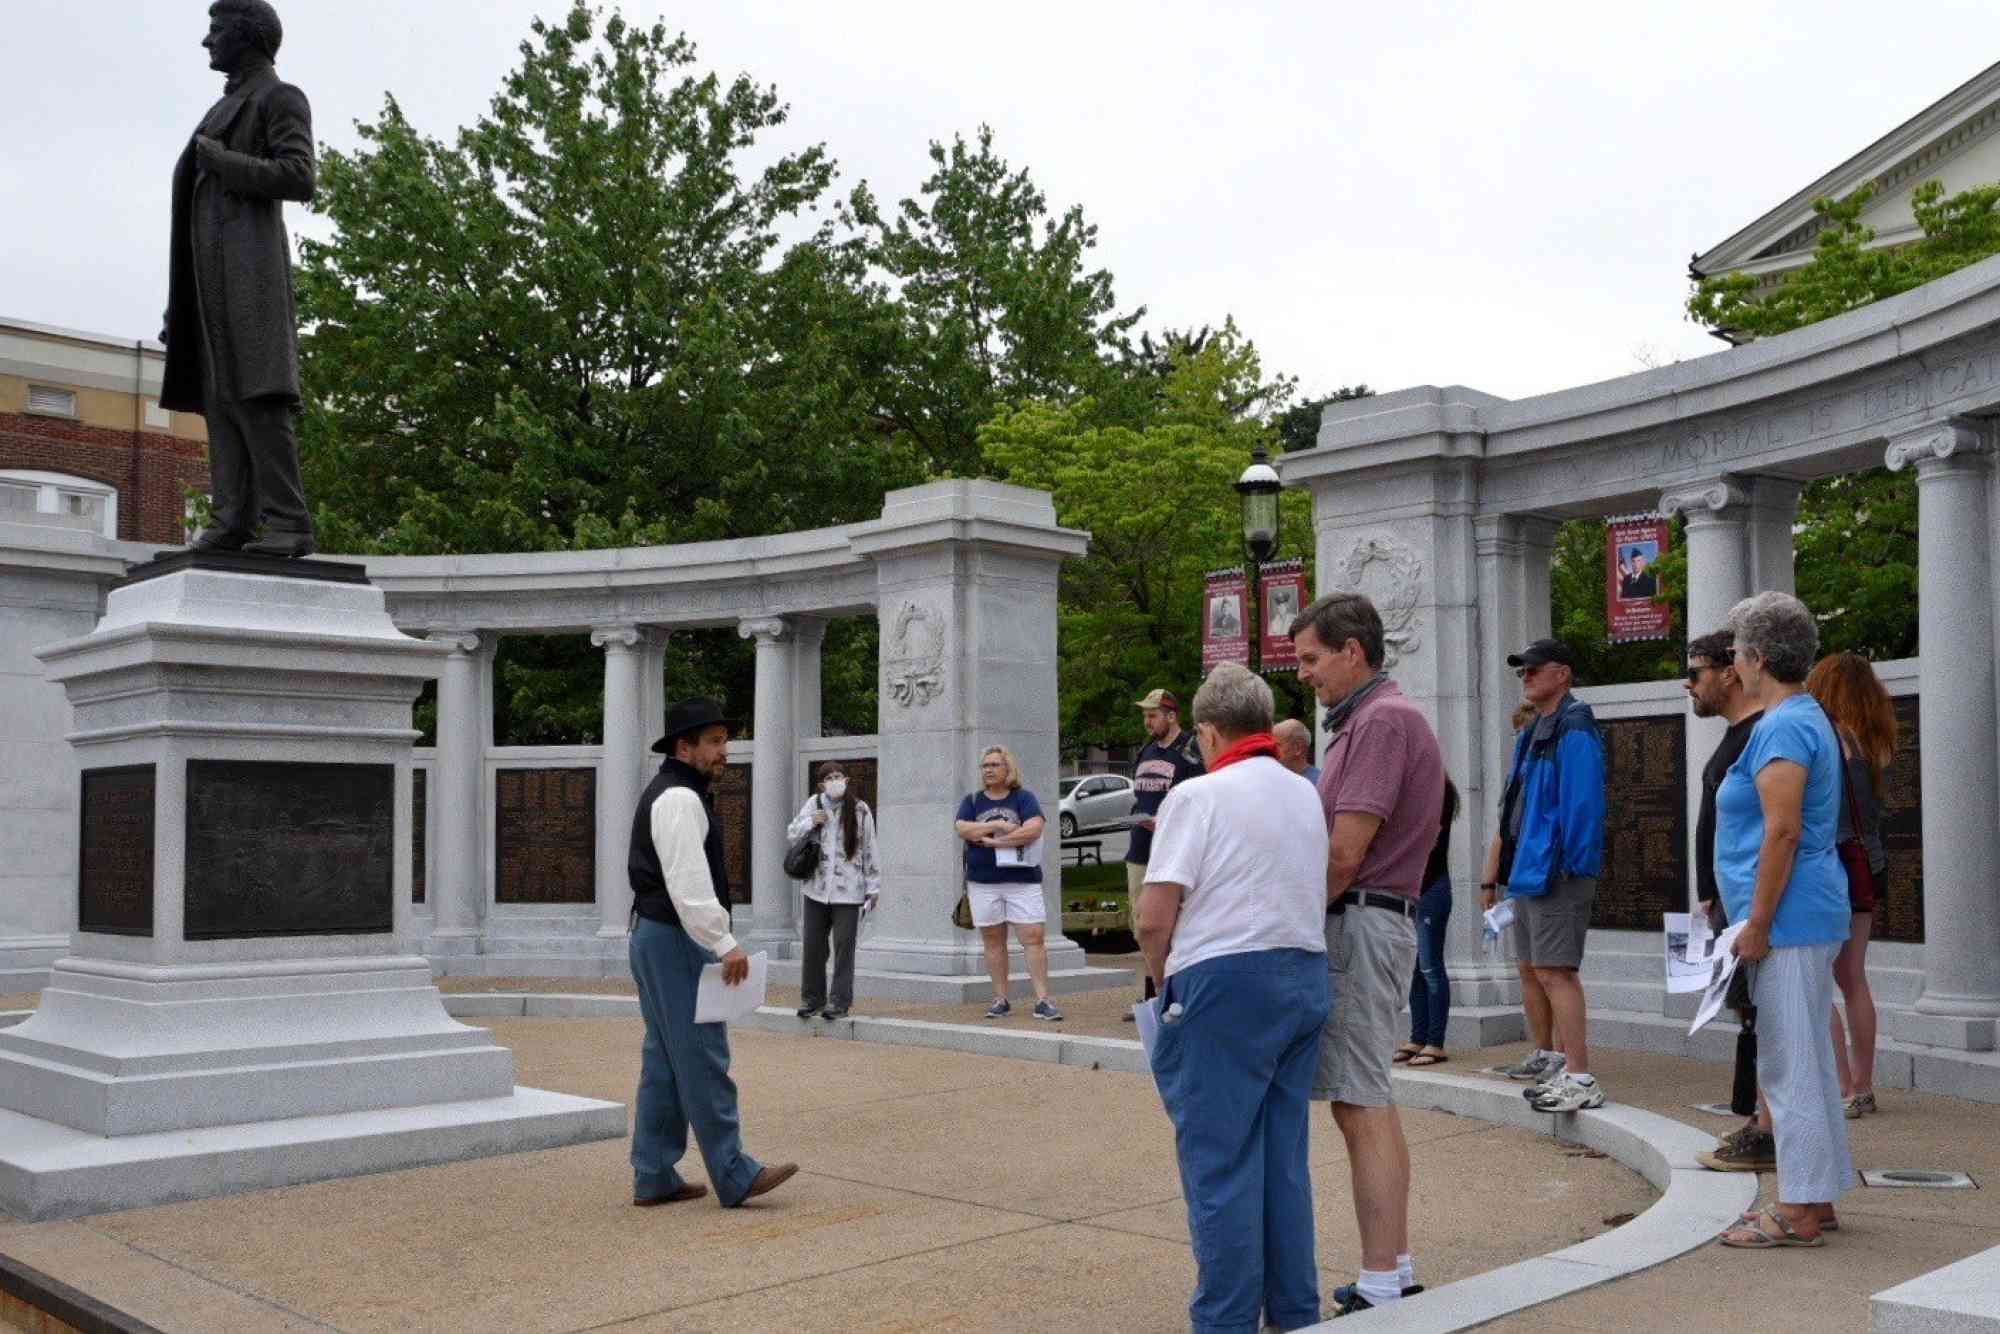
(1523, 673)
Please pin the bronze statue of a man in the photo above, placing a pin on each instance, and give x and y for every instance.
(230, 329)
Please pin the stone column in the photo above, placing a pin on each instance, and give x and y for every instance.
(465, 723)
(1955, 630)
(652, 690)
(1719, 576)
(619, 776)
(808, 721)
(1773, 509)
(966, 582)
(772, 760)
(1512, 556)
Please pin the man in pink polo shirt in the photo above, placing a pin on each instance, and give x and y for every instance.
(1381, 787)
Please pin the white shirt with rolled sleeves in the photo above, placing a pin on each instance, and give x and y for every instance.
(680, 825)
(1248, 844)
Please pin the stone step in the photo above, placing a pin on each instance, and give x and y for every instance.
(584, 946)
(530, 965)
(1963, 1298)
(881, 984)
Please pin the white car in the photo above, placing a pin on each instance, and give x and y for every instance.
(1093, 801)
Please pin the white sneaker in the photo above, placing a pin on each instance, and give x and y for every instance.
(1551, 1072)
(1569, 1094)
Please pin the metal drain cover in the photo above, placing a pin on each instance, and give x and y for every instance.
(1909, 1178)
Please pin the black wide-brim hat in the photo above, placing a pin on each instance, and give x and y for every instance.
(691, 715)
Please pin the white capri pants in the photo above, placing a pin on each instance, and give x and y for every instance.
(1793, 989)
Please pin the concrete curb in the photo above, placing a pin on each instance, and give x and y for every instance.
(1694, 1205)
(1959, 1297)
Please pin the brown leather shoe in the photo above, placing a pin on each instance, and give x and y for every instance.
(770, 1179)
(687, 1190)
(285, 546)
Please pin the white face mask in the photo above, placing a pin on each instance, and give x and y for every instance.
(836, 788)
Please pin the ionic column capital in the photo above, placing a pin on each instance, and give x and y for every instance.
(1941, 443)
(1703, 498)
(615, 636)
(462, 642)
(763, 628)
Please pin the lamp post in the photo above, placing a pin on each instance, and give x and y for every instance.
(1259, 487)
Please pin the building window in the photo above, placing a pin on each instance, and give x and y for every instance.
(58, 500)
(51, 402)
(158, 417)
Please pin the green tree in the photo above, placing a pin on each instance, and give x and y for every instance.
(1856, 539)
(992, 301)
(1298, 425)
(1157, 500)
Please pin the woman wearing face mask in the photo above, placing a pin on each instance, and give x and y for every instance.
(846, 881)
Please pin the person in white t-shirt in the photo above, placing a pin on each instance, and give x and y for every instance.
(1232, 921)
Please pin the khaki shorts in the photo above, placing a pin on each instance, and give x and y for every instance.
(1370, 954)
(1549, 929)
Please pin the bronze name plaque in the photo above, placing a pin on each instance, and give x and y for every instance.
(1645, 822)
(545, 836)
(732, 810)
(115, 852)
(285, 849)
(1899, 905)
(419, 820)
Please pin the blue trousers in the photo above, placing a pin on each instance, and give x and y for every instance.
(683, 1073)
(1430, 986)
(1236, 1072)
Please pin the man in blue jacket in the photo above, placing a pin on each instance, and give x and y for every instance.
(1547, 854)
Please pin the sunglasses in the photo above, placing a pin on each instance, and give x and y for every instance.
(1523, 673)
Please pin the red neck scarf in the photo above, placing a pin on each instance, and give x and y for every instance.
(1257, 743)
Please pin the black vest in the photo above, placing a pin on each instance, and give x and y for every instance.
(649, 882)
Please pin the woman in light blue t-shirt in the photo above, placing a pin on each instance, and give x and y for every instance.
(1776, 819)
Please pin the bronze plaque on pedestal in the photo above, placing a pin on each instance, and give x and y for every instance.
(115, 852)
(1899, 904)
(1645, 822)
(287, 849)
(545, 836)
(732, 811)
(419, 796)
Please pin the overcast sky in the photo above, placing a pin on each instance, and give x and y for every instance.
(1504, 196)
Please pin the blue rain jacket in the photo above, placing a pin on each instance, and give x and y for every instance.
(1558, 778)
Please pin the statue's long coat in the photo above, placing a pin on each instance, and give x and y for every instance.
(243, 278)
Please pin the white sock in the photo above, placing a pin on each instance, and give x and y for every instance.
(1406, 1269)
(1380, 1286)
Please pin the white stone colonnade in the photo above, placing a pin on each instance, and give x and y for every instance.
(962, 575)
(1442, 505)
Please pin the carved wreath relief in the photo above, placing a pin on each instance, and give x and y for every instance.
(914, 666)
(1391, 575)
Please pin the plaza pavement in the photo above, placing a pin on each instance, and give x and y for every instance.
(938, 1190)
(943, 1190)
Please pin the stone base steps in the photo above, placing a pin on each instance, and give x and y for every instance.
(881, 984)
(1963, 1298)
(518, 964)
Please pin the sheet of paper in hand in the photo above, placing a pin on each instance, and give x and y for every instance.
(1689, 952)
(1027, 855)
(717, 1003)
(1723, 965)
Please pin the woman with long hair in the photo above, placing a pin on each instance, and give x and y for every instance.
(1863, 717)
(846, 882)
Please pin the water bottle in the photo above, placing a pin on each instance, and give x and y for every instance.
(1172, 1014)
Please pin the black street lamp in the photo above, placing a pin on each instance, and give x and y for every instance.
(1259, 487)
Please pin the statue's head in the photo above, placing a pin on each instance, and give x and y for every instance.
(239, 28)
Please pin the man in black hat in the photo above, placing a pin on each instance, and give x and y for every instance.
(680, 906)
(1547, 855)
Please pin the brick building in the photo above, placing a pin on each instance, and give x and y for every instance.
(83, 440)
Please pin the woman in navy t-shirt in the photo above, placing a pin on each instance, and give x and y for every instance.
(1001, 824)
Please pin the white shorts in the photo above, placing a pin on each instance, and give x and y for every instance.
(995, 904)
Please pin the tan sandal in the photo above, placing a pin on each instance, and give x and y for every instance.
(1830, 1223)
(1754, 1236)
(1404, 1053)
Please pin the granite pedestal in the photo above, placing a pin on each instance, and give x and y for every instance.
(243, 1004)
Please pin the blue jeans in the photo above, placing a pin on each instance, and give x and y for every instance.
(1430, 988)
(1235, 1072)
(683, 1073)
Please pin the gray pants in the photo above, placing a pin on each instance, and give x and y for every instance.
(1795, 1068)
(838, 920)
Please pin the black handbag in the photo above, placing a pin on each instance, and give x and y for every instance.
(802, 857)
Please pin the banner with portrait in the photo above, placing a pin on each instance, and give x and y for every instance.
(1225, 629)
(1284, 596)
(1633, 546)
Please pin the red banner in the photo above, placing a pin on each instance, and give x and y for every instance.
(1225, 637)
(1284, 597)
(1632, 550)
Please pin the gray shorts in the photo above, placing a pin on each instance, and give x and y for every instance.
(1370, 954)
(1549, 929)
